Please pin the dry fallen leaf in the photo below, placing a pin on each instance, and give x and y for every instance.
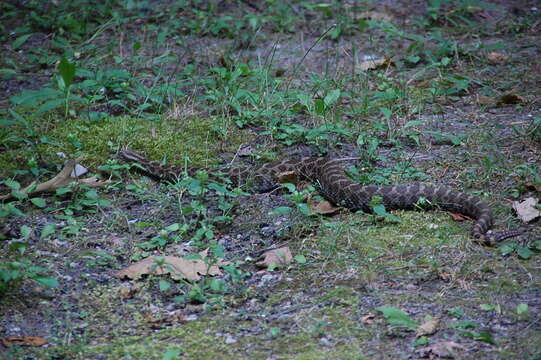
(175, 317)
(322, 207)
(497, 58)
(448, 349)
(458, 217)
(127, 292)
(368, 319)
(287, 177)
(277, 257)
(509, 99)
(24, 340)
(526, 210)
(484, 100)
(428, 328)
(533, 187)
(373, 15)
(375, 64)
(177, 267)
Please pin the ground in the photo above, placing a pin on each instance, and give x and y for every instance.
(445, 92)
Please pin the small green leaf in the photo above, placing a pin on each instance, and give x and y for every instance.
(47, 230)
(12, 184)
(45, 280)
(62, 191)
(171, 354)
(507, 249)
(386, 112)
(332, 97)
(397, 317)
(465, 324)
(524, 253)
(26, 231)
(456, 312)
(19, 41)
(39, 202)
(420, 341)
(172, 227)
(304, 209)
(319, 106)
(301, 259)
(522, 309)
(19, 195)
(164, 285)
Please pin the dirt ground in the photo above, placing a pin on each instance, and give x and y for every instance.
(452, 97)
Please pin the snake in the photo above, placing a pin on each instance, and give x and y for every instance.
(335, 186)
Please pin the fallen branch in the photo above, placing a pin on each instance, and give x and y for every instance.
(63, 178)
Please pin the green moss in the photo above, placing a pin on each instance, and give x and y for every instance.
(170, 140)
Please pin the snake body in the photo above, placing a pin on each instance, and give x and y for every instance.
(338, 188)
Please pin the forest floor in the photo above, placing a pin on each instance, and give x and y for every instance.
(446, 92)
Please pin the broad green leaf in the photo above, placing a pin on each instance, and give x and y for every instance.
(26, 231)
(524, 253)
(171, 354)
(67, 71)
(332, 97)
(34, 97)
(304, 209)
(522, 309)
(39, 202)
(164, 285)
(301, 259)
(319, 106)
(50, 105)
(45, 280)
(48, 230)
(397, 317)
(172, 227)
(12, 184)
(19, 41)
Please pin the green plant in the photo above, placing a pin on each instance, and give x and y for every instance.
(49, 99)
(20, 267)
(397, 317)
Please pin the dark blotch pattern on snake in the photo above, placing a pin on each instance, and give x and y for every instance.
(336, 187)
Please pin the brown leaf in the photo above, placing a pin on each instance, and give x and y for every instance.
(177, 267)
(24, 340)
(175, 317)
(368, 319)
(533, 187)
(484, 100)
(281, 256)
(375, 64)
(497, 58)
(127, 292)
(526, 210)
(458, 217)
(322, 207)
(428, 328)
(373, 15)
(508, 99)
(287, 177)
(448, 349)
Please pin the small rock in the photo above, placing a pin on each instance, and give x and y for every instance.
(230, 340)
